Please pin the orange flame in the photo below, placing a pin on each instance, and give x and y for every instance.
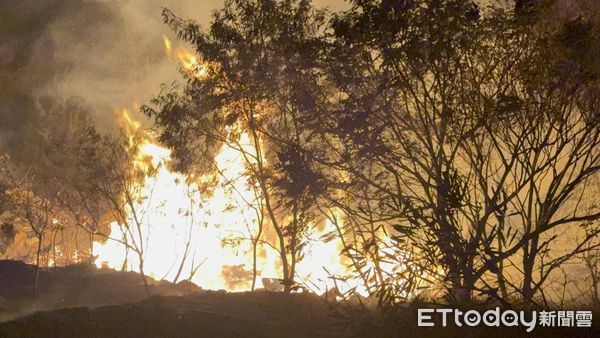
(190, 61)
(179, 221)
(206, 238)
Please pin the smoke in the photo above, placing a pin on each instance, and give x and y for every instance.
(119, 61)
(105, 55)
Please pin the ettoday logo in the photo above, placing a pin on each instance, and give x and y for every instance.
(497, 317)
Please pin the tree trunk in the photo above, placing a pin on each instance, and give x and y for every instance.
(91, 247)
(461, 290)
(530, 253)
(271, 213)
(54, 247)
(146, 286)
(500, 268)
(254, 258)
(293, 245)
(37, 264)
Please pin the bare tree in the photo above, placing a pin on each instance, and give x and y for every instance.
(471, 140)
(117, 181)
(591, 259)
(37, 213)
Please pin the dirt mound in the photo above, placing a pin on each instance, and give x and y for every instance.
(80, 285)
(83, 301)
(207, 314)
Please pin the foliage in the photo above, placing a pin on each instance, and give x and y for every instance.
(457, 134)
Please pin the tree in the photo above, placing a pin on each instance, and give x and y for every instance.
(559, 114)
(455, 140)
(115, 180)
(35, 207)
(49, 165)
(591, 259)
(259, 84)
(7, 229)
(448, 118)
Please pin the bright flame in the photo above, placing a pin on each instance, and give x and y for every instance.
(190, 61)
(182, 230)
(206, 238)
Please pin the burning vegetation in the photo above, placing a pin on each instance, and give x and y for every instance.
(395, 152)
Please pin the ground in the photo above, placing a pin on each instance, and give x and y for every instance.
(203, 315)
(83, 301)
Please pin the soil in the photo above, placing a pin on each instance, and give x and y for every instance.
(83, 301)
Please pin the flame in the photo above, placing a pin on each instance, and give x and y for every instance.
(205, 238)
(190, 61)
(185, 231)
(168, 46)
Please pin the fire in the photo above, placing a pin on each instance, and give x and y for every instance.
(185, 232)
(206, 238)
(191, 62)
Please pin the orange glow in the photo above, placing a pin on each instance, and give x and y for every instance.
(214, 229)
(190, 61)
(186, 230)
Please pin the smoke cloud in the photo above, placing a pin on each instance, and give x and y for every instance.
(105, 54)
